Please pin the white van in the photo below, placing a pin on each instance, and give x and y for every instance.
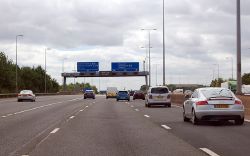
(111, 92)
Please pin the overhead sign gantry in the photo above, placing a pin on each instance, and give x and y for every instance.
(118, 69)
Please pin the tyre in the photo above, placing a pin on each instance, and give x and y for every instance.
(185, 119)
(239, 121)
(117, 100)
(149, 105)
(18, 100)
(128, 99)
(169, 105)
(194, 119)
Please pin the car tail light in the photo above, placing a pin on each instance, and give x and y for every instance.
(150, 97)
(237, 102)
(201, 103)
(18, 94)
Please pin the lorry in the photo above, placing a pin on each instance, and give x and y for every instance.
(232, 86)
(229, 85)
(111, 92)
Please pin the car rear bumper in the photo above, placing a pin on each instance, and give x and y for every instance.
(157, 102)
(220, 114)
(26, 98)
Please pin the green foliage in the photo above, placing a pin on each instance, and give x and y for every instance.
(216, 82)
(246, 79)
(28, 78)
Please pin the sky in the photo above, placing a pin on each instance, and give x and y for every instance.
(200, 35)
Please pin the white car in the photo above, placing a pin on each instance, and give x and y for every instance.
(213, 104)
(26, 95)
(159, 95)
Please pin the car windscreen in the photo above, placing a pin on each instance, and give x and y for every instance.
(26, 92)
(159, 90)
(216, 92)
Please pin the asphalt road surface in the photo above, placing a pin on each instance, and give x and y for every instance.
(73, 126)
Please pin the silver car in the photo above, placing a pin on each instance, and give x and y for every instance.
(159, 95)
(213, 104)
(26, 95)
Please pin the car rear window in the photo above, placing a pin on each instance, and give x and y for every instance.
(159, 90)
(217, 92)
(123, 92)
(26, 92)
(89, 91)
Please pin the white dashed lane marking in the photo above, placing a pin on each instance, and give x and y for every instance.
(137, 110)
(147, 116)
(35, 108)
(55, 130)
(72, 117)
(165, 126)
(209, 152)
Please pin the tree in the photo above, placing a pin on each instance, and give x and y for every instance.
(246, 79)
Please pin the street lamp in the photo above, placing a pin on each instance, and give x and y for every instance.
(231, 66)
(16, 62)
(218, 65)
(239, 80)
(149, 30)
(146, 58)
(164, 57)
(45, 76)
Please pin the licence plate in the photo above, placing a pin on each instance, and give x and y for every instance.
(221, 106)
(159, 97)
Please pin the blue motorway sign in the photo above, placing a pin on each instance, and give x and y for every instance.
(125, 66)
(87, 66)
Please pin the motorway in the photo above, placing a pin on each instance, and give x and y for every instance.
(73, 126)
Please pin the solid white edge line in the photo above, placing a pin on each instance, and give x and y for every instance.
(147, 116)
(209, 152)
(55, 130)
(165, 126)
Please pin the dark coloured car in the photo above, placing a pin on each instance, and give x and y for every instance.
(89, 94)
(131, 93)
(123, 95)
(139, 95)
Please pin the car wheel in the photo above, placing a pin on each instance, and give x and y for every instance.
(185, 119)
(149, 105)
(117, 100)
(18, 100)
(239, 121)
(169, 105)
(194, 119)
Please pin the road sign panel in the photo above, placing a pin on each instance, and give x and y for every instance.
(125, 66)
(87, 66)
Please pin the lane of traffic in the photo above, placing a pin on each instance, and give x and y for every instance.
(219, 137)
(113, 128)
(24, 131)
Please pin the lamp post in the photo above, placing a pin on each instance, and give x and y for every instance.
(146, 57)
(239, 80)
(45, 75)
(164, 57)
(232, 66)
(16, 63)
(149, 55)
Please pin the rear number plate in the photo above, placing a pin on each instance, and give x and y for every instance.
(221, 106)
